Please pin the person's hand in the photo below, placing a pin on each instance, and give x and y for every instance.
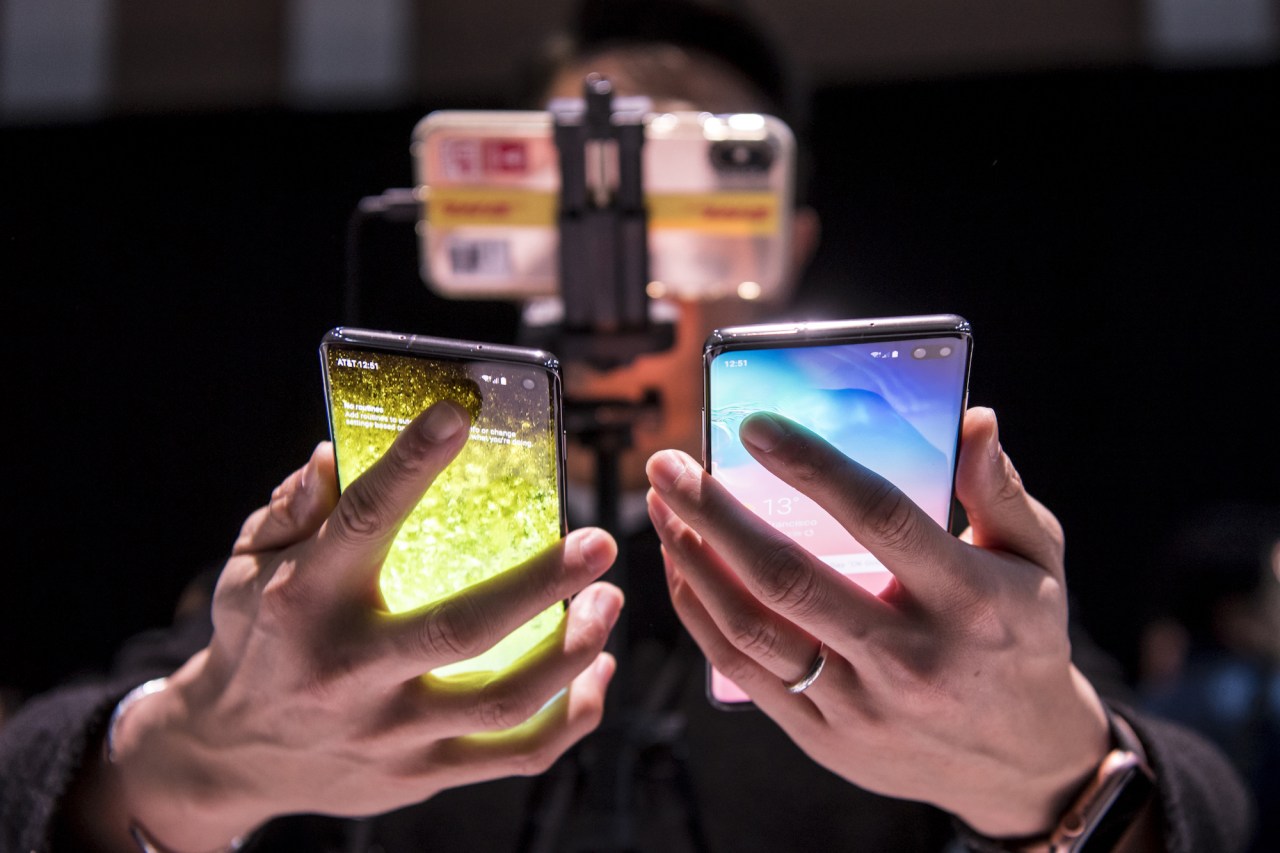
(954, 686)
(311, 696)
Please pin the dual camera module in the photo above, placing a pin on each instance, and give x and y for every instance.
(741, 155)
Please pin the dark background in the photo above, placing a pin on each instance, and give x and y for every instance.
(1111, 234)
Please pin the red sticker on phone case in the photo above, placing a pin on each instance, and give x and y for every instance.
(506, 156)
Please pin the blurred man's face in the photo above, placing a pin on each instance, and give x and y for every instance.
(675, 373)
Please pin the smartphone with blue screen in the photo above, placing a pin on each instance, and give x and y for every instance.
(889, 392)
(500, 502)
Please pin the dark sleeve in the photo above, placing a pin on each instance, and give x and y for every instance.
(44, 745)
(1204, 802)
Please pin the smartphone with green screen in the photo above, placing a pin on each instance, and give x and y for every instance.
(500, 502)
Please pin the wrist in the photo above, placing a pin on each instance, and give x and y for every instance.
(1041, 766)
(1109, 808)
(175, 797)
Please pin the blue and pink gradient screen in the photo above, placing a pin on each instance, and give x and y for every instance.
(893, 406)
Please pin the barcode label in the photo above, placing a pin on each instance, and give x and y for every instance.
(480, 257)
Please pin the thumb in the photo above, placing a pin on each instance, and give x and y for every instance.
(355, 538)
(1002, 516)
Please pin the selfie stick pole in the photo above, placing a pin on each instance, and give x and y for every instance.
(587, 802)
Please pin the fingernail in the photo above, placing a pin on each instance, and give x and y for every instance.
(993, 443)
(442, 423)
(665, 467)
(604, 666)
(762, 431)
(606, 607)
(308, 470)
(597, 550)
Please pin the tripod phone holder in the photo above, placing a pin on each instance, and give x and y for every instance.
(588, 802)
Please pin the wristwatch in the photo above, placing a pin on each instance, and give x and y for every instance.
(1101, 813)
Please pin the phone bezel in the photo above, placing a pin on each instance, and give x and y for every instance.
(457, 349)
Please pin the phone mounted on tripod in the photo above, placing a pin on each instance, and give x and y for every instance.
(602, 204)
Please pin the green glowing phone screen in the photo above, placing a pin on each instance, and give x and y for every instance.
(495, 506)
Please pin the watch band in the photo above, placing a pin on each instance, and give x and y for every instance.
(148, 845)
(1100, 814)
(142, 691)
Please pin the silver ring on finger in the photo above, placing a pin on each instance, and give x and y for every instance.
(805, 681)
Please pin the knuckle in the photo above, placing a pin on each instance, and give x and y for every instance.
(757, 638)
(285, 596)
(358, 517)
(1011, 487)
(248, 530)
(285, 509)
(1010, 498)
(454, 630)
(858, 632)
(237, 578)
(593, 637)
(976, 617)
(737, 669)
(890, 519)
(786, 580)
(994, 635)
(583, 637)
(501, 707)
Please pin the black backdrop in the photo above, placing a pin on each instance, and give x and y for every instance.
(1112, 235)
